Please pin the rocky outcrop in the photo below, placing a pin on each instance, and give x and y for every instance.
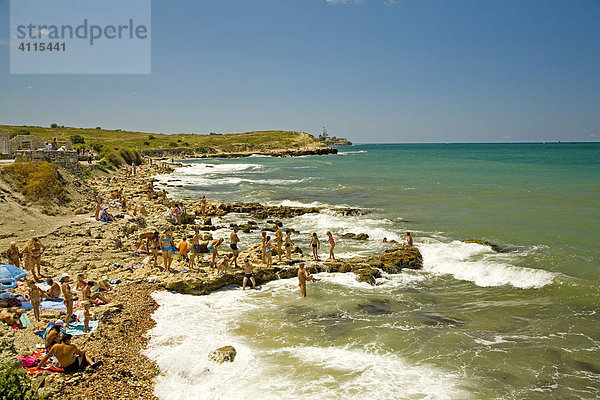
(209, 152)
(495, 247)
(260, 211)
(367, 269)
(223, 354)
(357, 236)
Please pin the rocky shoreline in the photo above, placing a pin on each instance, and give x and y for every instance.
(83, 245)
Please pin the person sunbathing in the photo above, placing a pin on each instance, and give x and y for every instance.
(53, 335)
(71, 359)
(88, 295)
(54, 292)
(11, 319)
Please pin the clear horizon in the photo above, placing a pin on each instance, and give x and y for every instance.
(376, 71)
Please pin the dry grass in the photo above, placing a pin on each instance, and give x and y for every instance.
(37, 181)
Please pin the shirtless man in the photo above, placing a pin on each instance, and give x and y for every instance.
(195, 242)
(147, 236)
(14, 255)
(304, 276)
(278, 242)
(315, 244)
(248, 274)
(71, 359)
(88, 295)
(54, 292)
(52, 337)
(35, 297)
(288, 245)
(234, 246)
(68, 295)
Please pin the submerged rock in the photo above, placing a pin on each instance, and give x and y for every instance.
(222, 354)
(495, 247)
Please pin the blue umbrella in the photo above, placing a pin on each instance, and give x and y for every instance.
(10, 273)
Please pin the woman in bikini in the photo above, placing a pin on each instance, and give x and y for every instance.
(28, 259)
(88, 295)
(331, 241)
(288, 245)
(68, 295)
(269, 251)
(168, 249)
(36, 254)
(213, 247)
(98, 206)
(315, 244)
(154, 245)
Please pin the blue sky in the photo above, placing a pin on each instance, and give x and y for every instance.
(369, 70)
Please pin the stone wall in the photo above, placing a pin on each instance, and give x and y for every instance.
(65, 159)
(5, 142)
(21, 142)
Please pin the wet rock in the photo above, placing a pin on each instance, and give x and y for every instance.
(394, 260)
(367, 274)
(359, 236)
(223, 354)
(495, 247)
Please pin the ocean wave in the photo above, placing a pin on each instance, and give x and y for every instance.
(339, 153)
(466, 261)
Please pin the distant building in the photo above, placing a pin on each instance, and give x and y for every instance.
(32, 142)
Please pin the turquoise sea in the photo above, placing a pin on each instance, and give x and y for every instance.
(473, 324)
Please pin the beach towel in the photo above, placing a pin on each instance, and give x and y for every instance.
(25, 320)
(76, 328)
(46, 305)
(46, 330)
(47, 368)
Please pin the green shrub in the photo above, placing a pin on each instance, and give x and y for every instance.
(114, 159)
(15, 385)
(146, 143)
(98, 127)
(172, 144)
(97, 147)
(151, 137)
(178, 140)
(53, 126)
(131, 156)
(37, 181)
(19, 132)
(75, 139)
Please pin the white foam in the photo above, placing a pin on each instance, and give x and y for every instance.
(480, 265)
(189, 327)
(339, 153)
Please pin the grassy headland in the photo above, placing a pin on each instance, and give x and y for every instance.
(102, 139)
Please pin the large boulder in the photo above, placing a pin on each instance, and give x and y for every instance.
(367, 274)
(222, 354)
(394, 260)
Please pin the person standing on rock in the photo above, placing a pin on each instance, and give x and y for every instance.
(213, 247)
(195, 242)
(268, 252)
(14, 255)
(288, 245)
(332, 242)
(278, 242)
(234, 246)
(168, 249)
(263, 247)
(203, 206)
(35, 297)
(248, 274)
(315, 244)
(154, 243)
(68, 295)
(150, 191)
(304, 276)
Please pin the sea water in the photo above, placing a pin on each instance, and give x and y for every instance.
(473, 324)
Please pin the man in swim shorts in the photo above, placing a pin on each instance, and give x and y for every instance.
(248, 274)
(195, 242)
(304, 276)
(234, 246)
(71, 359)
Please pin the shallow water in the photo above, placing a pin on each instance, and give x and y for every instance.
(471, 324)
